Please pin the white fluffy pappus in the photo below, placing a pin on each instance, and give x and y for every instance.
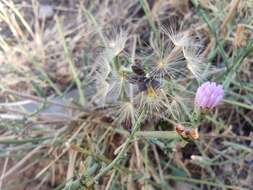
(119, 85)
(126, 111)
(115, 43)
(191, 49)
(109, 78)
(103, 67)
(195, 62)
(102, 88)
(114, 79)
(169, 60)
(178, 107)
(179, 39)
(153, 101)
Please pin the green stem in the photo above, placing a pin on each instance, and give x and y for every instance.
(24, 141)
(71, 63)
(213, 32)
(148, 14)
(234, 68)
(240, 104)
(157, 134)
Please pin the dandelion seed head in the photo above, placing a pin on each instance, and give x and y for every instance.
(150, 91)
(177, 104)
(119, 84)
(179, 39)
(116, 43)
(169, 61)
(195, 61)
(160, 64)
(152, 101)
(102, 88)
(126, 111)
(175, 109)
(103, 67)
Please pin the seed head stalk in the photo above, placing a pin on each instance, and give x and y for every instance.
(115, 64)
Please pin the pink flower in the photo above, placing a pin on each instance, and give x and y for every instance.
(209, 95)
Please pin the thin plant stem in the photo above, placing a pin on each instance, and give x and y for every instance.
(71, 64)
(211, 28)
(120, 154)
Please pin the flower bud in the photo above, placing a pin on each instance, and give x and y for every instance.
(209, 95)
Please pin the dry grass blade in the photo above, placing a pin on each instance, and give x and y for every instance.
(4, 171)
(22, 161)
(64, 151)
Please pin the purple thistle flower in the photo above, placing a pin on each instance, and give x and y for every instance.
(209, 95)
